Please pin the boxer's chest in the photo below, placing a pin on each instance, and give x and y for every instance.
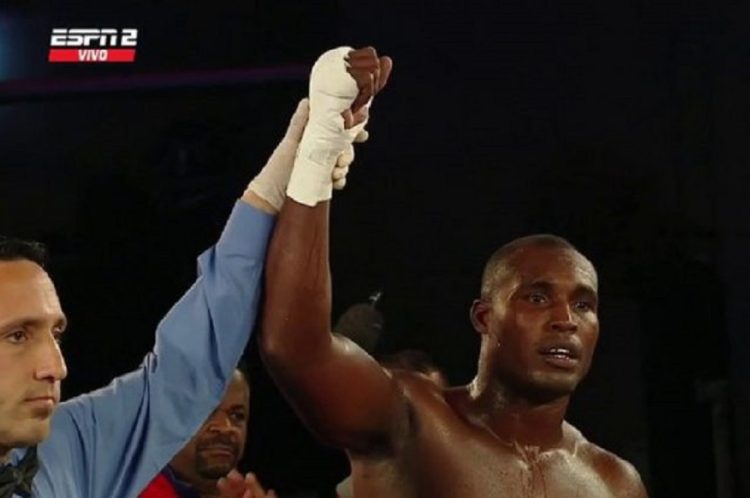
(470, 469)
(446, 457)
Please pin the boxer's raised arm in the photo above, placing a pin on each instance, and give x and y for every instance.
(340, 392)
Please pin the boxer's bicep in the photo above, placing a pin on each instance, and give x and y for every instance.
(344, 396)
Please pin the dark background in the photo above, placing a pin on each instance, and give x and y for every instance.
(622, 126)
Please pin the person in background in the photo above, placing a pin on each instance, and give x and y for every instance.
(213, 452)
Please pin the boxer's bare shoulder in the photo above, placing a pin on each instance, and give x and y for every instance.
(619, 475)
(427, 400)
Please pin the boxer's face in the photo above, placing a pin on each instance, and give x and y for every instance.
(31, 363)
(220, 442)
(542, 322)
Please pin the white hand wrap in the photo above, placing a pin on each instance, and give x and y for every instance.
(332, 91)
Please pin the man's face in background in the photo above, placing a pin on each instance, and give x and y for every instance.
(220, 442)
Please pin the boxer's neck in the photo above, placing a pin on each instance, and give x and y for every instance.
(516, 419)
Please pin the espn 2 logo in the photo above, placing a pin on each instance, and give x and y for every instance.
(93, 45)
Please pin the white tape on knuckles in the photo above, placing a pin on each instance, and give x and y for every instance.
(332, 91)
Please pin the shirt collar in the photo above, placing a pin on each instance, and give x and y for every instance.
(183, 489)
(16, 455)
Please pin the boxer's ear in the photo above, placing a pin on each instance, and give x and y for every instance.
(479, 313)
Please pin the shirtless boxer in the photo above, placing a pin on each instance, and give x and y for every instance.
(504, 434)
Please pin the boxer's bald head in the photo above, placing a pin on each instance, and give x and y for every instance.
(500, 265)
